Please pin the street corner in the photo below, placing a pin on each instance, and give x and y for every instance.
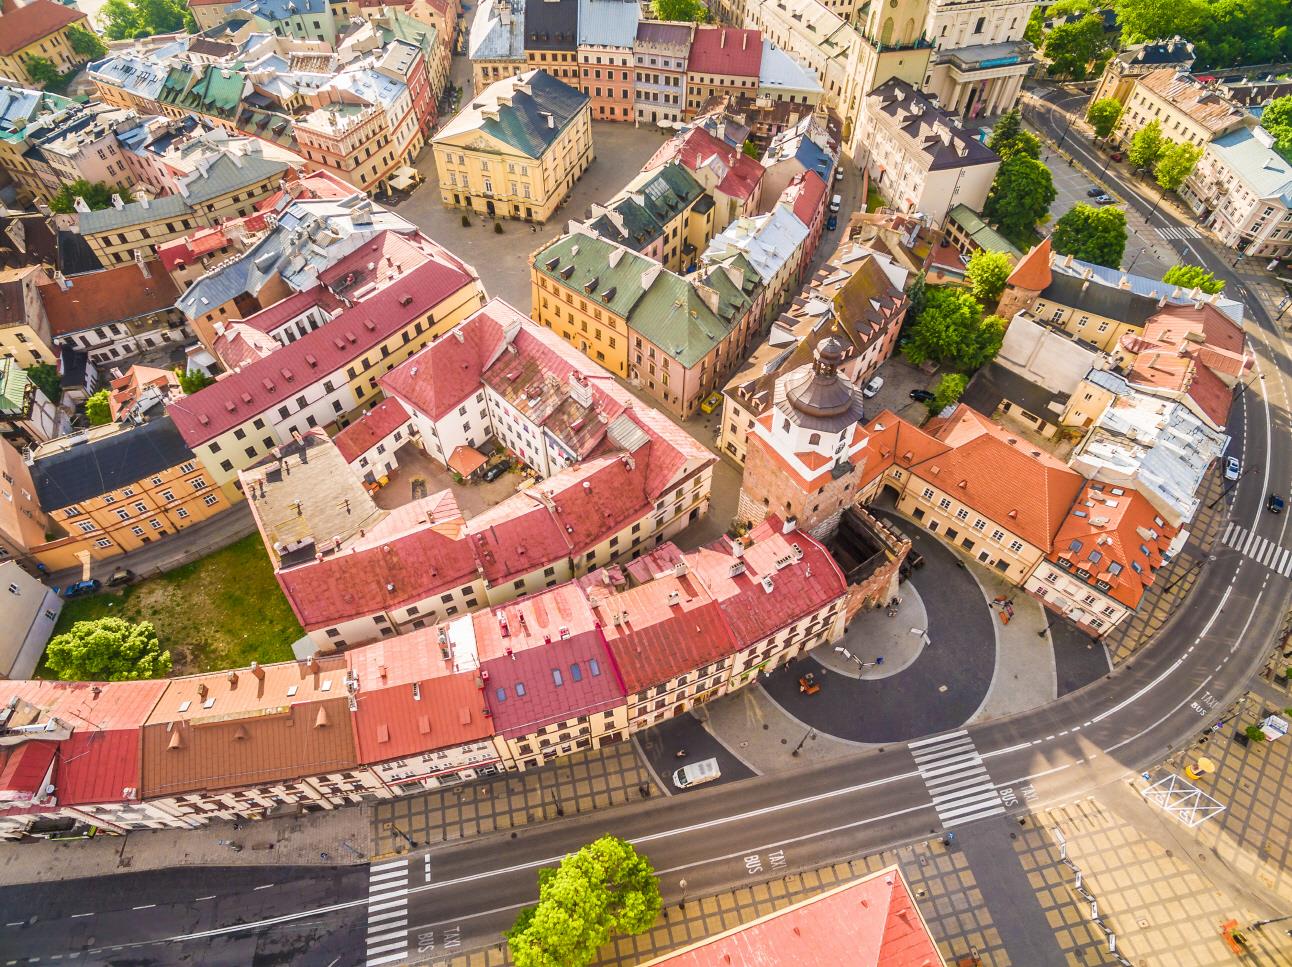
(681, 741)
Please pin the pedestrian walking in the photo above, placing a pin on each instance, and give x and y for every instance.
(680, 754)
(324, 857)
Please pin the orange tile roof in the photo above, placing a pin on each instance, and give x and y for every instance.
(25, 25)
(1033, 270)
(1000, 475)
(871, 922)
(110, 295)
(1108, 534)
(1189, 96)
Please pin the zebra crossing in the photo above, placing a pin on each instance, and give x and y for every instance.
(956, 779)
(387, 913)
(1263, 551)
(1179, 234)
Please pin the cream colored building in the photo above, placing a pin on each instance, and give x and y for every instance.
(1241, 188)
(516, 149)
(1188, 112)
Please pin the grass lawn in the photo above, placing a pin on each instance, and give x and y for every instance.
(222, 611)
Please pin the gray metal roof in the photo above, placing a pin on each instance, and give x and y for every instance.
(608, 23)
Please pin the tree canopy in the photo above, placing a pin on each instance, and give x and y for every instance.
(1225, 32)
(1174, 163)
(107, 650)
(1077, 49)
(1277, 120)
(97, 410)
(986, 274)
(85, 42)
(1146, 144)
(949, 389)
(606, 888)
(1020, 197)
(193, 381)
(96, 194)
(951, 331)
(690, 11)
(123, 19)
(47, 380)
(1103, 116)
(42, 72)
(1009, 138)
(1193, 277)
(1092, 234)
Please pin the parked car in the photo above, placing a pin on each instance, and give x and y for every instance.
(1275, 504)
(873, 387)
(922, 396)
(492, 473)
(697, 773)
(1094, 192)
(836, 203)
(1118, 156)
(832, 222)
(82, 588)
(711, 402)
(1233, 469)
(122, 575)
(1104, 200)
(838, 174)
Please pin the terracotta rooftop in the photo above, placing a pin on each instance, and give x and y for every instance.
(111, 295)
(725, 51)
(25, 25)
(1207, 107)
(872, 922)
(370, 429)
(1116, 537)
(697, 147)
(1033, 270)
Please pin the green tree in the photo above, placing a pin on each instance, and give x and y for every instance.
(1009, 138)
(96, 194)
(750, 149)
(1146, 144)
(1034, 32)
(1174, 163)
(1073, 47)
(1143, 20)
(1103, 116)
(1020, 197)
(1092, 234)
(190, 383)
(951, 331)
(690, 11)
(47, 380)
(85, 42)
(949, 389)
(1192, 277)
(107, 650)
(604, 889)
(1277, 120)
(916, 294)
(42, 72)
(986, 274)
(97, 410)
(133, 18)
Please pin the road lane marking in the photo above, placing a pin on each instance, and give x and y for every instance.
(145, 906)
(387, 913)
(956, 780)
(265, 887)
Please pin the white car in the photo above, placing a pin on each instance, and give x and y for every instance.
(697, 773)
(1233, 469)
(873, 387)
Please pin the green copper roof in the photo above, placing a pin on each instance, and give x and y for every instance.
(13, 387)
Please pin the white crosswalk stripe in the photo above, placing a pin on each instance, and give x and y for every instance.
(1261, 550)
(1179, 234)
(387, 940)
(956, 779)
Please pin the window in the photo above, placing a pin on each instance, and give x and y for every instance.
(168, 495)
(593, 667)
(103, 542)
(181, 513)
(210, 500)
(520, 689)
(576, 673)
(198, 483)
(86, 527)
(155, 524)
(1016, 546)
(501, 694)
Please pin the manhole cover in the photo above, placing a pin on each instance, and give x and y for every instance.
(1142, 922)
(942, 688)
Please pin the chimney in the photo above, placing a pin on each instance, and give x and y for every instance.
(257, 671)
(202, 690)
(233, 677)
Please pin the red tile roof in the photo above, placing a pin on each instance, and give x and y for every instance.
(441, 376)
(801, 586)
(1033, 270)
(697, 146)
(271, 317)
(100, 762)
(370, 429)
(725, 51)
(1105, 529)
(533, 621)
(25, 25)
(23, 770)
(657, 639)
(516, 537)
(318, 354)
(808, 197)
(126, 390)
(872, 922)
(594, 499)
(107, 296)
(1001, 475)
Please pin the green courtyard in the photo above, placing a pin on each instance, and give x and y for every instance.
(223, 611)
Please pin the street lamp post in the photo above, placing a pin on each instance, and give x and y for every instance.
(860, 664)
(682, 903)
(395, 829)
(807, 735)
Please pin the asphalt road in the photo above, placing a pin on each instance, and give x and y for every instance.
(462, 894)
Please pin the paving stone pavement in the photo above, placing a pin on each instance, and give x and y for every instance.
(1163, 896)
(581, 783)
(1173, 583)
(960, 913)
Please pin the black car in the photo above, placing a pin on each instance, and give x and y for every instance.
(1275, 504)
(1094, 192)
(922, 396)
(497, 470)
